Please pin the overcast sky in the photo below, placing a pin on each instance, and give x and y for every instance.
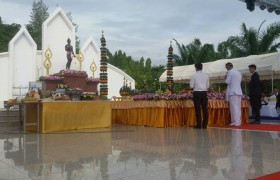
(145, 27)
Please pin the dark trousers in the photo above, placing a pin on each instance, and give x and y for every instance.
(255, 101)
(201, 101)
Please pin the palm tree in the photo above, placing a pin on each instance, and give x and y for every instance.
(194, 52)
(251, 42)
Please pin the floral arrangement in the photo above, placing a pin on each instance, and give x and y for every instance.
(185, 96)
(215, 95)
(158, 97)
(92, 80)
(73, 72)
(50, 78)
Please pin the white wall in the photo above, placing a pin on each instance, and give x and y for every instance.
(115, 80)
(39, 64)
(23, 67)
(56, 30)
(91, 52)
(22, 62)
(4, 78)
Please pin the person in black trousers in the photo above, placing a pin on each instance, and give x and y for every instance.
(200, 84)
(255, 93)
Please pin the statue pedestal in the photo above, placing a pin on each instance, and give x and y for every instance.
(72, 79)
(91, 87)
(50, 85)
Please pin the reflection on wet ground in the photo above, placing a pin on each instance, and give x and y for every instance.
(129, 152)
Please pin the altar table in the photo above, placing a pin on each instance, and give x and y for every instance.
(172, 113)
(70, 115)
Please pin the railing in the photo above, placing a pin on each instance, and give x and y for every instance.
(19, 91)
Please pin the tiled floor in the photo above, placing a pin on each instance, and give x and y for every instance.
(141, 153)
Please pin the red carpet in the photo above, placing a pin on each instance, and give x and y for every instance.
(274, 176)
(259, 127)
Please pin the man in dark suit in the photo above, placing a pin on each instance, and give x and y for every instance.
(255, 93)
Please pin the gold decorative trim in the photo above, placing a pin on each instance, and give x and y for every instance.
(93, 68)
(80, 58)
(47, 62)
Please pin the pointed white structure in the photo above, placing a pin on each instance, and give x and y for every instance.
(56, 30)
(115, 76)
(22, 62)
(91, 53)
(115, 80)
(4, 78)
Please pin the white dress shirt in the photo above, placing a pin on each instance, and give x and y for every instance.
(199, 81)
(233, 81)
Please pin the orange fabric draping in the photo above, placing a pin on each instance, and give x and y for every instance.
(172, 113)
(71, 115)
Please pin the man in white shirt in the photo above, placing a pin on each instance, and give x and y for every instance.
(200, 83)
(234, 94)
(275, 93)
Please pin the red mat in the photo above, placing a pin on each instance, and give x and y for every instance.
(259, 127)
(274, 176)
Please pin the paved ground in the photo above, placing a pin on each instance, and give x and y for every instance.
(130, 152)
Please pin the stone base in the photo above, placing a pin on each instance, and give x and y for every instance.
(72, 79)
(50, 85)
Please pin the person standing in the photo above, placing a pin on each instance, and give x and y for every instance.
(277, 106)
(255, 93)
(234, 94)
(200, 83)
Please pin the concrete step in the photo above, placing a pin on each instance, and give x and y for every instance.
(11, 116)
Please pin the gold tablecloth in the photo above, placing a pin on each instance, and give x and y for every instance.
(172, 113)
(71, 115)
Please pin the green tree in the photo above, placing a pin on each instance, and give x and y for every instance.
(142, 71)
(252, 41)
(69, 15)
(148, 64)
(223, 51)
(7, 32)
(38, 15)
(142, 62)
(194, 52)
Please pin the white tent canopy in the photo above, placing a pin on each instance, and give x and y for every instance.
(268, 66)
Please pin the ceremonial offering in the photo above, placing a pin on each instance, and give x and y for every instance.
(11, 101)
(29, 99)
(60, 96)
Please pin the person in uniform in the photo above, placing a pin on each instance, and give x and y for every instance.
(255, 93)
(234, 93)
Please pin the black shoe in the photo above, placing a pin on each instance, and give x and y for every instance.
(197, 127)
(255, 122)
(204, 127)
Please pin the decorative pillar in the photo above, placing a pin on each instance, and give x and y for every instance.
(169, 78)
(103, 67)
